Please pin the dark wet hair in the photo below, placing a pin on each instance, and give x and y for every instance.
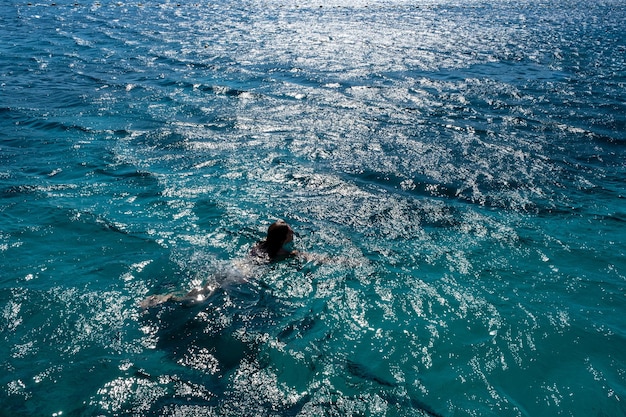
(276, 236)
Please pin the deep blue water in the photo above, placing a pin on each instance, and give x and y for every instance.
(462, 164)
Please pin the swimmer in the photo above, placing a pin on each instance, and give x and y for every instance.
(272, 248)
(268, 250)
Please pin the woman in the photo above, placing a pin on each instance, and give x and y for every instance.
(271, 249)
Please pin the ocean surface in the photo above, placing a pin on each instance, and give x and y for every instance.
(457, 167)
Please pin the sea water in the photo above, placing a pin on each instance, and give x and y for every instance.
(458, 167)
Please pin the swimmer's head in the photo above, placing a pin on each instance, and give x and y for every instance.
(279, 233)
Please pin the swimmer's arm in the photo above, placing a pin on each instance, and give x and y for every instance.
(325, 259)
(311, 257)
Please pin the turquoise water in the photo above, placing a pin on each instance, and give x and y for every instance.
(460, 162)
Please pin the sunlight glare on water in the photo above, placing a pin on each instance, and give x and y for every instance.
(458, 166)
